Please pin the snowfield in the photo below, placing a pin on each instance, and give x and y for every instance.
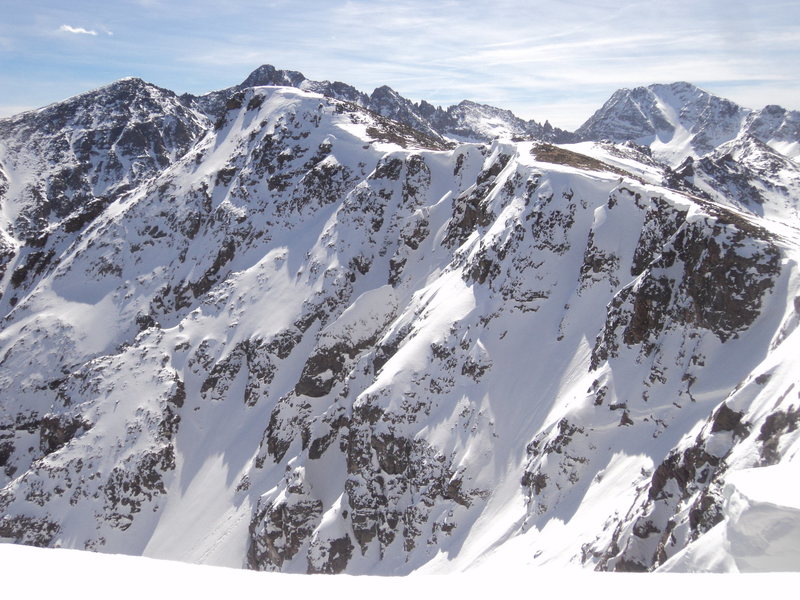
(71, 574)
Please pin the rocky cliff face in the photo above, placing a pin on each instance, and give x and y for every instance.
(303, 336)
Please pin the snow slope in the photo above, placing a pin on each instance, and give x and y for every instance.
(82, 575)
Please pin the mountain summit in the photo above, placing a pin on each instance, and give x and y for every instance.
(680, 119)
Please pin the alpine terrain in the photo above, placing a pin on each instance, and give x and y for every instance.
(291, 326)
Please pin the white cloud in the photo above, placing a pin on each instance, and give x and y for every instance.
(8, 110)
(78, 30)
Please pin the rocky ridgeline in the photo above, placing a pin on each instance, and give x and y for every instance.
(465, 121)
(285, 331)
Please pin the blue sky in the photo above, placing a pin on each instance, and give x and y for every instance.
(543, 60)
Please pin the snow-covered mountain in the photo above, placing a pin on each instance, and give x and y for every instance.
(275, 329)
(464, 122)
(680, 120)
(675, 121)
(70, 155)
(749, 175)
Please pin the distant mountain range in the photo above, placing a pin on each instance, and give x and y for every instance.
(466, 121)
(679, 118)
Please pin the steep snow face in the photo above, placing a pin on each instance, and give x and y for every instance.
(627, 115)
(320, 341)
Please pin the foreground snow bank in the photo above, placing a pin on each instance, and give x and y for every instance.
(761, 526)
(74, 574)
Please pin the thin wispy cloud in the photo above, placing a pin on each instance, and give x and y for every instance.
(9, 110)
(541, 59)
(77, 30)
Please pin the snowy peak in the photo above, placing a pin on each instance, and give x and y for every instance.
(388, 103)
(466, 121)
(473, 122)
(470, 121)
(679, 119)
(627, 115)
(675, 120)
(679, 93)
(269, 75)
(749, 175)
(127, 98)
(95, 145)
(778, 127)
(213, 103)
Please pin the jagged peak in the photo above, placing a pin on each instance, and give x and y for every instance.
(485, 107)
(662, 112)
(676, 86)
(126, 88)
(128, 84)
(478, 106)
(384, 91)
(131, 79)
(774, 109)
(638, 93)
(269, 75)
